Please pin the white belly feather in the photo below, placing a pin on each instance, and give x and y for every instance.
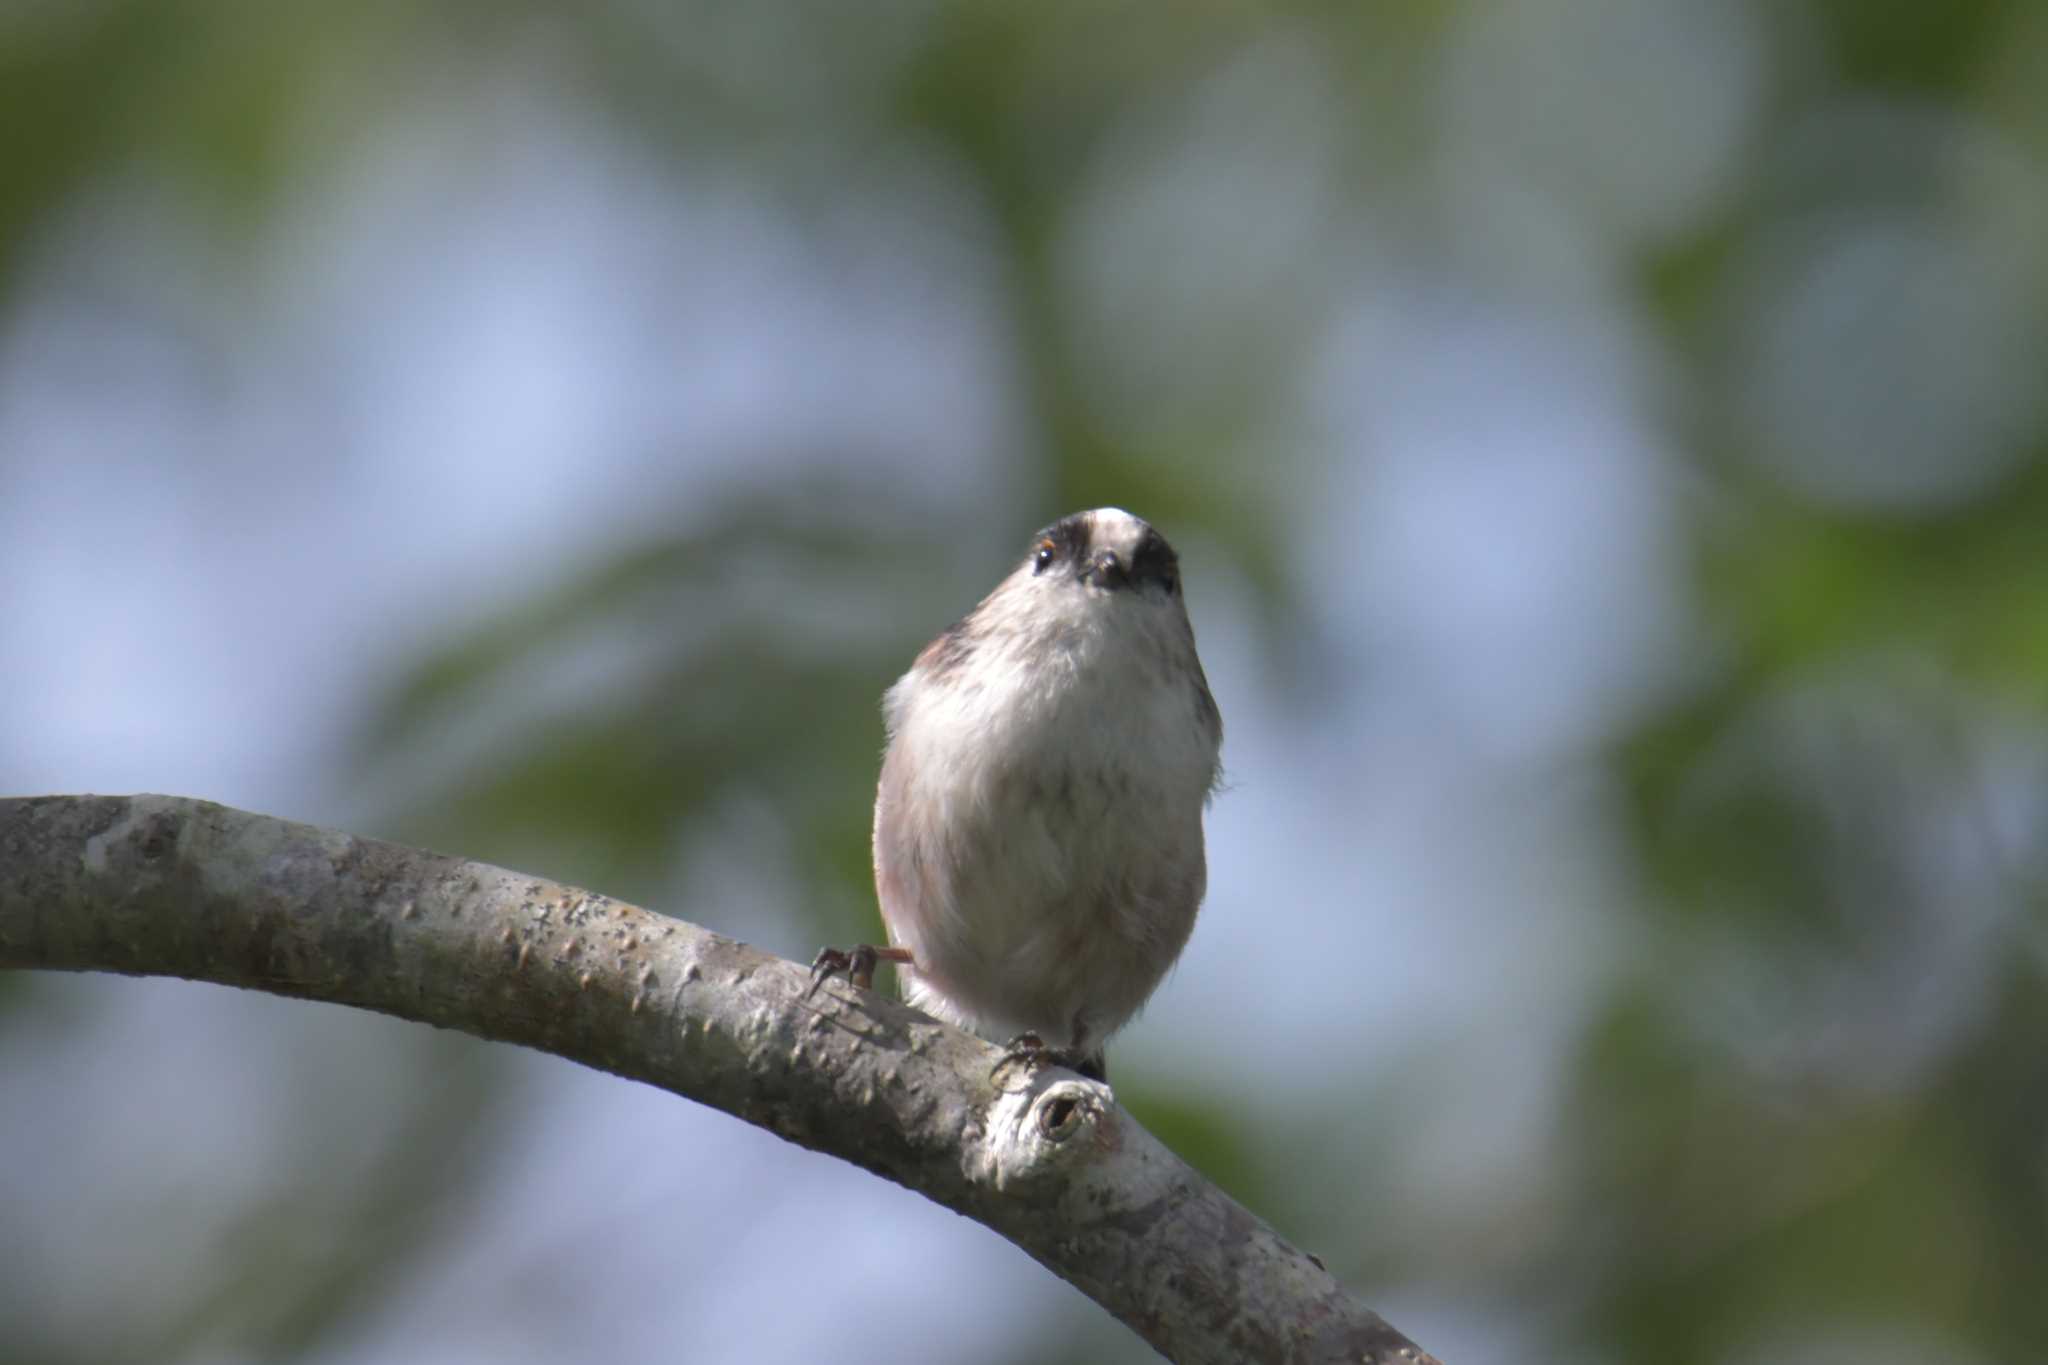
(1046, 862)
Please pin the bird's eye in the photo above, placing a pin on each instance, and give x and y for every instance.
(1043, 556)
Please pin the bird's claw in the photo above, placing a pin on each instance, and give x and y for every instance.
(1029, 1051)
(856, 964)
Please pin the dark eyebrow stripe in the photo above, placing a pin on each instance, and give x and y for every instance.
(1154, 559)
(1069, 536)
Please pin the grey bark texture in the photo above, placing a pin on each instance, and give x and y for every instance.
(165, 886)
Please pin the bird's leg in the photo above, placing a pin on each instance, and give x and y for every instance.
(1081, 1056)
(858, 963)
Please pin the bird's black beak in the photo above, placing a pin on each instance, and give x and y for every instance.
(1106, 570)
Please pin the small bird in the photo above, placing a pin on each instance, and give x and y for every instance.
(1038, 825)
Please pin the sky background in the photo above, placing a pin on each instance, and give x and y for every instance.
(1605, 444)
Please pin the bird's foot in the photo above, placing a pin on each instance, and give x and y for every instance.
(856, 964)
(1029, 1051)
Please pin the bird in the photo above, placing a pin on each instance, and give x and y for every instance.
(1038, 841)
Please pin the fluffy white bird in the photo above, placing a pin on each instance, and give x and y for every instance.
(1038, 826)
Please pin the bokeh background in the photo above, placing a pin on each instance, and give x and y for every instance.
(1608, 444)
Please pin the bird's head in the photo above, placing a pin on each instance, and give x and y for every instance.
(1106, 551)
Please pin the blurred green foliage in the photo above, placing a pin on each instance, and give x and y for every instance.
(1748, 1148)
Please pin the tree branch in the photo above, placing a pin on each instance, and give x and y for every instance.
(164, 886)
